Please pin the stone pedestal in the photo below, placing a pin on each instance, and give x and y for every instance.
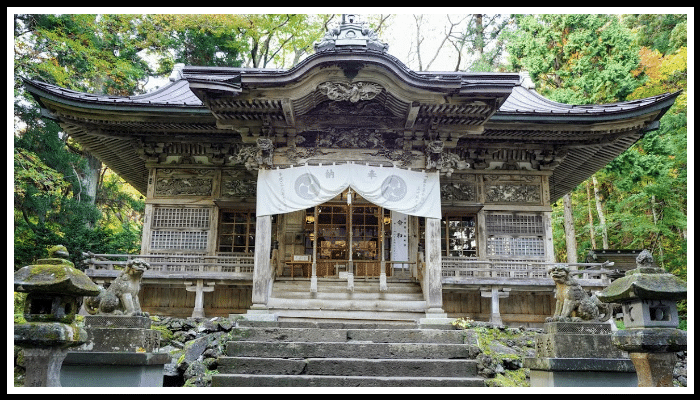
(579, 354)
(120, 351)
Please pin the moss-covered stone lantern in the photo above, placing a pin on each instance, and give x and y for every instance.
(54, 294)
(648, 297)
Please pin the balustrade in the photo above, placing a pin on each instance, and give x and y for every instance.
(470, 268)
(235, 263)
(453, 268)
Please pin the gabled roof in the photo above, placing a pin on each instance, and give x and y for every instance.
(524, 104)
(472, 110)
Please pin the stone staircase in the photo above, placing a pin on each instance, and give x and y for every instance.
(333, 354)
(292, 300)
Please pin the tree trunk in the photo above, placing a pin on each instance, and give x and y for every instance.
(91, 178)
(569, 231)
(590, 216)
(658, 235)
(479, 40)
(601, 214)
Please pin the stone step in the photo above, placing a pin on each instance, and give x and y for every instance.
(282, 334)
(333, 354)
(241, 380)
(349, 350)
(243, 323)
(341, 316)
(370, 305)
(462, 368)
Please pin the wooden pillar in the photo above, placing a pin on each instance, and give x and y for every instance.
(382, 264)
(198, 288)
(314, 279)
(262, 272)
(351, 282)
(495, 296)
(432, 281)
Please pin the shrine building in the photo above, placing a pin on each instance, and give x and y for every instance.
(348, 187)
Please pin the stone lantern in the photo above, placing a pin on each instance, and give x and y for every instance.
(648, 298)
(54, 294)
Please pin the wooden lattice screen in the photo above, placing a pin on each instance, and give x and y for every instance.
(515, 239)
(180, 228)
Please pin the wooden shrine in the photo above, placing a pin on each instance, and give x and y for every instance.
(201, 148)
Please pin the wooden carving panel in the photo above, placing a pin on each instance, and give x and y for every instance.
(184, 182)
(525, 189)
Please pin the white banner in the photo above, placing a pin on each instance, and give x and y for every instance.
(399, 238)
(297, 188)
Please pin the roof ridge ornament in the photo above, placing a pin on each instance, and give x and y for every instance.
(526, 81)
(176, 75)
(351, 33)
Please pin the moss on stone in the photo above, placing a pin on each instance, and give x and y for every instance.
(515, 378)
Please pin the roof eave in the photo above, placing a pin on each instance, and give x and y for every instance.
(41, 95)
(660, 106)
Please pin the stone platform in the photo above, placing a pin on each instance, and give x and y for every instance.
(120, 351)
(579, 354)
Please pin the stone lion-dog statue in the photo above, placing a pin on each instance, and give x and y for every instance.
(122, 296)
(573, 303)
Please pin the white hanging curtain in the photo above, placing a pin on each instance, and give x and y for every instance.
(297, 188)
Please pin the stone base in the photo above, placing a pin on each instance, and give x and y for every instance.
(579, 354)
(259, 315)
(580, 372)
(113, 369)
(577, 340)
(435, 316)
(107, 333)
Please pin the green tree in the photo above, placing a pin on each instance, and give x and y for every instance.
(643, 191)
(575, 59)
(52, 204)
(253, 40)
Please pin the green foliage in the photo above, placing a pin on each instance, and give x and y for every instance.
(84, 52)
(600, 59)
(575, 58)
(51, 205)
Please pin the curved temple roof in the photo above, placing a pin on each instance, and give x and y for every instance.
(482, 109)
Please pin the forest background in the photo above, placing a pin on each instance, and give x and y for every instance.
(64, 195)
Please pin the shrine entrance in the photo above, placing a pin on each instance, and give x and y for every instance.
(349, 236)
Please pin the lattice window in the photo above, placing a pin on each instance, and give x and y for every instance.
(514, 224)
(168, 217)
(180, 228)
(515, 236)
(515, 246)
(179, 240)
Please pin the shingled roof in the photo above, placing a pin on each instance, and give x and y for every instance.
(484, 109)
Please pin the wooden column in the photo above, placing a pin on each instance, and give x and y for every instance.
(262, 272)
(432, 281)
(382, 264)
(314, 279)
(351, 281)
(199, 289)
(495, 296)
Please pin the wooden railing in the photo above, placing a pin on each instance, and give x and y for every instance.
(470, 268)
(234, 263)
(454, 269)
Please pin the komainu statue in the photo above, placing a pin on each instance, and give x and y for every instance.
(122, 296)
(573, 303)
